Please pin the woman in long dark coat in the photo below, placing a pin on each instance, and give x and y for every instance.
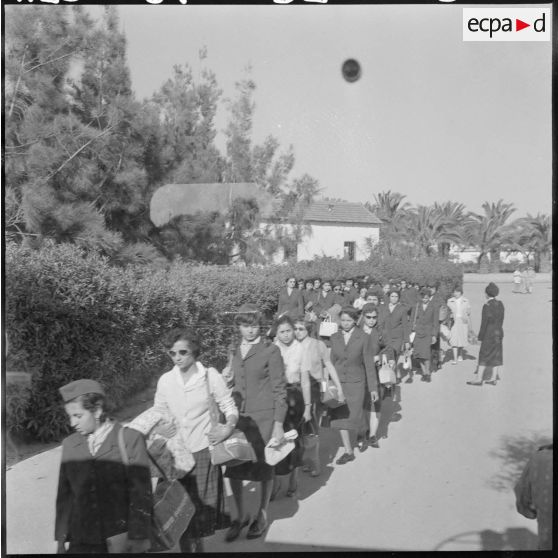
(425, 324)
(352, 356)
(257, 374)
(290, 299)
(491, 334)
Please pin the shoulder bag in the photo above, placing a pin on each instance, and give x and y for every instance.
(329, 392)
(173, 508)
(327, 328)
(236, 449)
(386, 374)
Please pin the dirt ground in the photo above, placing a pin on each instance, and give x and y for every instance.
(442, 479)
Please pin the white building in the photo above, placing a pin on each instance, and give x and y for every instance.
(334, 229)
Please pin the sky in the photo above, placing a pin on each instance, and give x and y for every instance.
(432, 117)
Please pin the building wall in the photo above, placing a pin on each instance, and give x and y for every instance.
(327, 239)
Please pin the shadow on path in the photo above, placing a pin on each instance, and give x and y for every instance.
(513, 538)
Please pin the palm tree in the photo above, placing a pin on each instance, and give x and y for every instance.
(487, 231)
(394, 213)
(453, 215)
(535, 237)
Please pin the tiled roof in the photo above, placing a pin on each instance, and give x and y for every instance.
(340, 212)
(172, 200)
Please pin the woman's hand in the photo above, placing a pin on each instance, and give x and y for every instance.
(228, 374)
(61, 547)
(219, 433)
(137, 546)
(307, 413)
(278, 433)
(433, 340)
(165, 429)
(374, 396)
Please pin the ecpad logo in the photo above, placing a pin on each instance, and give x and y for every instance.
(506, 24)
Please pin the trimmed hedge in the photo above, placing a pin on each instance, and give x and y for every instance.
(71, 315)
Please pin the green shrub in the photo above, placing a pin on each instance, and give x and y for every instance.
(71, 315)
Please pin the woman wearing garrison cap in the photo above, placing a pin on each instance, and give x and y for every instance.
(490, 335)
(102, 504)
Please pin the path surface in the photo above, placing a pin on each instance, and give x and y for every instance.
(442, 480)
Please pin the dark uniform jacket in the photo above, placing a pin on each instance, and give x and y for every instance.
(533, 493)
(395, 327)
(292, 304)
(354, 362)
(322, 303)
(260, 386)
(98, 496)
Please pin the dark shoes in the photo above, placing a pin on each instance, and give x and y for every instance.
(426, 378)
(345, 458)
(409, 380)
(257, 528)
(235, 528)
(362, 444)
(373, 442)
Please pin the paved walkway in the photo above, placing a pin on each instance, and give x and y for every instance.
(442, 479)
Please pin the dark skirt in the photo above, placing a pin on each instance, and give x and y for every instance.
(204, 485)
(293, 420)
(422, 347)
(351, 416)
(259, 471)
(490, 352)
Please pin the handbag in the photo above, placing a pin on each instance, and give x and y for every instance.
(413, 332)
(386, 374)
(327, 328)
(236, 449)
(173, 508)
(329, 392)
(310, 438)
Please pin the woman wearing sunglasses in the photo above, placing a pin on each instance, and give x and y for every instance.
(183, 394)
(369, 324)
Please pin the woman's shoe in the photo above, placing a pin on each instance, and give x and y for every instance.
(454, 361)
(257, 528)
(474, 383)
(291, 491)
(373, 442)
(345, 458)
(491, 382)
(235, 528)
(362, 444)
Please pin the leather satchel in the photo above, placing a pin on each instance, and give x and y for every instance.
(236, 449)
(173, 508)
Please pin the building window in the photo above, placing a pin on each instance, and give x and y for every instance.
(349, 251)
(290, 251)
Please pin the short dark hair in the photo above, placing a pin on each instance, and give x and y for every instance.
(289, 278)
(248, 314)
(183, 334)
(284, 319)
(93, 401)
(350, 311)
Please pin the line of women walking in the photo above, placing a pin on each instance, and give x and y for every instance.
(268, 388)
